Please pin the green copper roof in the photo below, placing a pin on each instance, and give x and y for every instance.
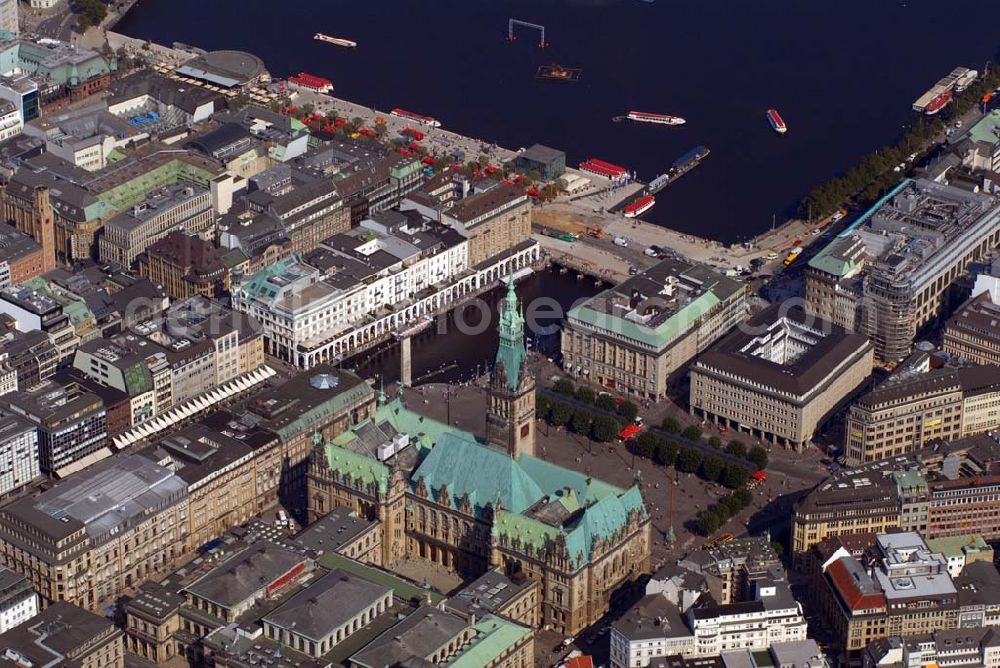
(552, 478)
(511, 353)
(485, 474)
(956, 546)
(986, 129)
(494, 637)
(656, 337)
(364, 469)
(601, 519)
(425, 431)
(826, 262)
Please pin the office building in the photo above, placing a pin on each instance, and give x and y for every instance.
(11, 124)
(919, 403)
(195, 346)
(8, 18)
(780, 376)
(19, 463)
(20, 257)
(956, 647)
(18, 601)
(232, 471)
(185, 265)
(906, 590)
(947, 489)
(971, 334)
(103, 531)
(635, 337)
(887, 274)
(65, 635)
(171, 208)
(494, 222)
(71, 423)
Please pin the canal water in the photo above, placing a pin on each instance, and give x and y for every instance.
(463, 344)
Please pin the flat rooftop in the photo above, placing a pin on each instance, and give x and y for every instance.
(108, 499)
(784, 350)
(905, 230)
(658, 305)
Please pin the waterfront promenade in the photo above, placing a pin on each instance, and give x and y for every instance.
(578, 215)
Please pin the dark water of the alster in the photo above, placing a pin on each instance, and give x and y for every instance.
(843, 74)
(463, 344)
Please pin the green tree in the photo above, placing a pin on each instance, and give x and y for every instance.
(605, 428)
(689, 460)
(730, 504)
(711, 469)
(582, 422)
(743, 496)
(666, 453)
(692, 433)
(736, 448)
(670, 425)
(758, 457)
(333, 115)
(708, 523)
(564, 386)
(715, 441)
(778, 548)
(628, 410)
(561, 414)
(543, 406)
(585, 394)
(646, 444)
(483, 160)
(734, 476)
(605, 402)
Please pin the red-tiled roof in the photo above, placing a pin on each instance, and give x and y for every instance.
(850, 591)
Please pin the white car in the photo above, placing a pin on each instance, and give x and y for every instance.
(621, 241)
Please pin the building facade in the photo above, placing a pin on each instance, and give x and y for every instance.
(635, 337)
(918, 405)
(98, 534)
(887, 275)
(434, 507)
(778, 379)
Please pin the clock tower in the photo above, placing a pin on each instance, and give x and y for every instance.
(510, 417)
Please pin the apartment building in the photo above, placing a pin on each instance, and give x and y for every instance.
(778, 377)
(887, 274)
(30, 356)
(634, 337)
(917, 405)
(89, 538)
(173, 207)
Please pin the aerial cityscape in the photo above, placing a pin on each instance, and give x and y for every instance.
(321, 350)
